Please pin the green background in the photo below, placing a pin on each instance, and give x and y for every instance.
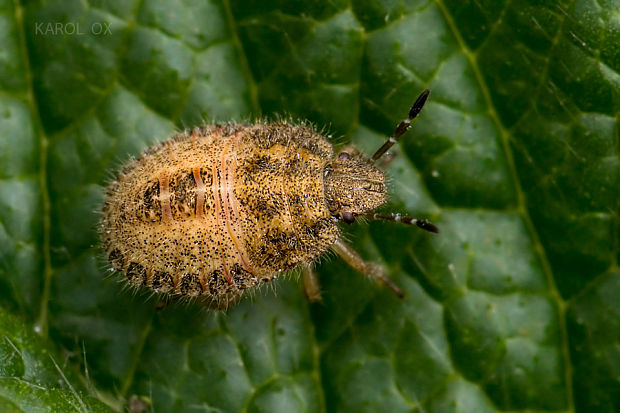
(514, 306)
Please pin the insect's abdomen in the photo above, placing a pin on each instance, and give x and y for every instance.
(218, 211)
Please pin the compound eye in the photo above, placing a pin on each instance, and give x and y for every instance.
(344, 156)
(347, 217)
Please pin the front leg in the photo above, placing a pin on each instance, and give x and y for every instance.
(372, 270)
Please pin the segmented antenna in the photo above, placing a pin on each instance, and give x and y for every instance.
(404, 219)
(403, 126)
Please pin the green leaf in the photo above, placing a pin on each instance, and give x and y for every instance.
(513, 306)
(30, 377)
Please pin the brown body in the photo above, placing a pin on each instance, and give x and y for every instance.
(220, 209)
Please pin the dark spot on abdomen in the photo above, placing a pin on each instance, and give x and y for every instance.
(162, 282)
(116, 259)
(136, 274)
(190, 285)
(216, 283)
(241, 277)
(182, 188)
(149, 206)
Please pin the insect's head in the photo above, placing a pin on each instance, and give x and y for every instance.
(353, 185)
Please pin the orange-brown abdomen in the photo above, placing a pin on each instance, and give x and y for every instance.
(220, 209)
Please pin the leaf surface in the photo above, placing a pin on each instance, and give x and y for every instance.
(513, 306)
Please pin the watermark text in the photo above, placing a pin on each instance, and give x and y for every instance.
(72, 29)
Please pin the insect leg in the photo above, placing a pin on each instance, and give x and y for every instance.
(351, 257)
(402, 126)
(404, 219)
(311, 283)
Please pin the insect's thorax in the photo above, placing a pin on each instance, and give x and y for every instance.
(281, 190)
(353, 184)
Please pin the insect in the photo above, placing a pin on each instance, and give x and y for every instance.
(220, 209)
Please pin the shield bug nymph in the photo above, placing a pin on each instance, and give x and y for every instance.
(220, 209)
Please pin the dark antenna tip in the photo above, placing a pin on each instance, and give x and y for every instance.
(427, 226)
(419, 103)
(402, 126)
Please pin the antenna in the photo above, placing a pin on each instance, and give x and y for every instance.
(402, 126)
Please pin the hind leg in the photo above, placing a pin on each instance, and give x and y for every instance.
(311, 283)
